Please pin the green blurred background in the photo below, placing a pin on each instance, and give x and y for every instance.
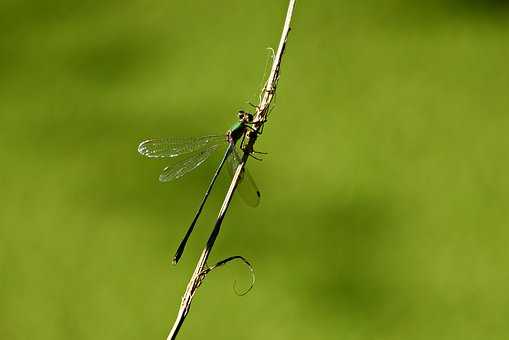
(384, 206)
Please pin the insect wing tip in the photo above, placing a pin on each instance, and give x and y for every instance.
(142, 149)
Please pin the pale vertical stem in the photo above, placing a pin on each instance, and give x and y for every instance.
(260, 118)
(269, 89)
(197, 277)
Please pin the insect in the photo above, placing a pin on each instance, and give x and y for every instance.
(196, 151)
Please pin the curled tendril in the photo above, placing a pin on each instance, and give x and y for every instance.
(273, 53)
(229, 259)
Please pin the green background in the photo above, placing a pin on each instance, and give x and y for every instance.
(384, 208)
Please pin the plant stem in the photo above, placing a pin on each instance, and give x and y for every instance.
(262, 111)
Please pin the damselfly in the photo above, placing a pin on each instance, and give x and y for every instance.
(198, 150)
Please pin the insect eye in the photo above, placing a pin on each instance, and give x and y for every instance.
(250, 117)
(241, 114)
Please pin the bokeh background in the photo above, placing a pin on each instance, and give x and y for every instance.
(384, 208)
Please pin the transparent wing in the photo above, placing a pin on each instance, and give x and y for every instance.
(247, 187)
(176, 146)
(181, 168)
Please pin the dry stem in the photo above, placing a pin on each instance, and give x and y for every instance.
(262, 111)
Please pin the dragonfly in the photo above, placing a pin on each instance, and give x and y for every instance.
(195, 151)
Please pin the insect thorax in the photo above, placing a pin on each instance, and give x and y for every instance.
(236, 131)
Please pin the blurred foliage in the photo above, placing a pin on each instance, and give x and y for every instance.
(384, 207)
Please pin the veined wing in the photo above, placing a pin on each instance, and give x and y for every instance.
(247, 187)
(176, 146)
(181, 168)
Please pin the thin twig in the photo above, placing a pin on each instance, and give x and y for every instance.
(262, 111)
